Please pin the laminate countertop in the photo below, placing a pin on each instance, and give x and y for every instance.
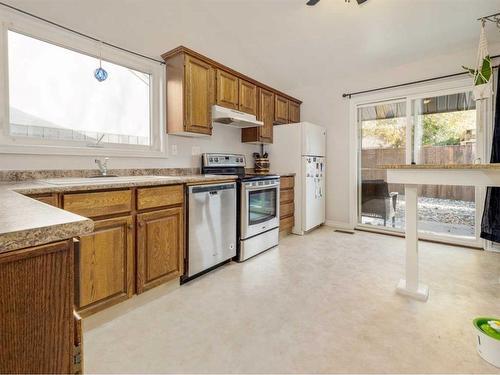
(26, 222)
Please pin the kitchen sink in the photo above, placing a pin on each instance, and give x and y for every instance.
(104, 179)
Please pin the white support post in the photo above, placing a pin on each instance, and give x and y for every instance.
(410, 286)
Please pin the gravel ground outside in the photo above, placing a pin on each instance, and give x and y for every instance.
(440, 216)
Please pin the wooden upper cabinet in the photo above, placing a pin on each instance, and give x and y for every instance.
(195, 83)
(190, 95)
(280, 110)
(198, 96)
(293, 112)
(227, 89)
(248, 97)
(105, 265)
(265, 113)
(160, 247)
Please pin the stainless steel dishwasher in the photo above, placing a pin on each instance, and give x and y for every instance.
(211, 226)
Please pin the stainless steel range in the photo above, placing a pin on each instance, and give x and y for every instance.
(258, 203)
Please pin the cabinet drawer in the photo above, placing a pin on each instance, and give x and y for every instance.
(286, 195)
(287, 182)
(46, 198)
(287, 224)
(286, 209)
(99, 203)
(159, 196)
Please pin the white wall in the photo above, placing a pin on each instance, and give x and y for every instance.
(324, 105)
(338, 46)
(224, 139)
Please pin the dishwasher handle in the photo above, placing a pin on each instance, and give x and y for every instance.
(212, 189)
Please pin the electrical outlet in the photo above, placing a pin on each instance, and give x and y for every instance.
(174, 149)
(195, 151)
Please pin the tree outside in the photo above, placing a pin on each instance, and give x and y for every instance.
(440, 129)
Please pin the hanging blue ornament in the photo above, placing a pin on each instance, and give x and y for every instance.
(100, 74)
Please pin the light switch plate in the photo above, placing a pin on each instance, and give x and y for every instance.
(174, 150)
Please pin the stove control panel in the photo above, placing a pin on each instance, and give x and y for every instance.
(223, 160)
(263, 183)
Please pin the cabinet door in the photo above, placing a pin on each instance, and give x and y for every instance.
(198, 95)
(266, 114)
(160, 247)
(294, 112)
(227, 89)
(281, 110)
(36, 309)
(105, 265)
(248, 97)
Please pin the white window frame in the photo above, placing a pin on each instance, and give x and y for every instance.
(409, 93)
(52, 34)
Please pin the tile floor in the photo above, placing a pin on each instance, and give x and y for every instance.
(324, 302)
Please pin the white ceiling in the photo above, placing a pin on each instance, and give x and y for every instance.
(281, 41)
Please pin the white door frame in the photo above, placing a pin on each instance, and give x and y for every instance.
(445, 87)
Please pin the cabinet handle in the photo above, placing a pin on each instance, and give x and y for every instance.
(141, 224)
(130, 226)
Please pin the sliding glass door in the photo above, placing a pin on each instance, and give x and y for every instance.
(438, 128)
(382, 140)
(444, 132)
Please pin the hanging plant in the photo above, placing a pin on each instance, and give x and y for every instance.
(483, 72)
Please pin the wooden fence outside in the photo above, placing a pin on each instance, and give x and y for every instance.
(371, 158)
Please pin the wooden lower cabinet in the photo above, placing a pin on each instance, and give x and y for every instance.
(287, 205)
(160, 247)
(104, 265)
(51, 199)
(78, 344)
(37, 331)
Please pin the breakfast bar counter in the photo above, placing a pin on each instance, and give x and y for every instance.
(479, 175)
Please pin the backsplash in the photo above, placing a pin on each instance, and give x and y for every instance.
(26, 175)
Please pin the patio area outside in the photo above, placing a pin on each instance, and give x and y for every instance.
(436, 215)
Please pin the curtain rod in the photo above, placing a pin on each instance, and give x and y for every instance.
(81, 34)
(349, 95)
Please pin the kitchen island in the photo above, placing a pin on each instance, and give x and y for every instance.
(478, 175)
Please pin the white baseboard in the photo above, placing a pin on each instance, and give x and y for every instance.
(339, 225)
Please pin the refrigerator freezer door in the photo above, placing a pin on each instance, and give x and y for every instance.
(314, 192)
(313, 139)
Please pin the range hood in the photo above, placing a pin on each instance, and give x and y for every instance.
(231, 117)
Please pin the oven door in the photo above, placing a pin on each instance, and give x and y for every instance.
(259, 207)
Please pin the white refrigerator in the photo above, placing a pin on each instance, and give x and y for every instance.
(301, 149)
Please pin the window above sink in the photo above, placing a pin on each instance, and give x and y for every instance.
(55, 105)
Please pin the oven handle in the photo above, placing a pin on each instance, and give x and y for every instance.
(262, 187)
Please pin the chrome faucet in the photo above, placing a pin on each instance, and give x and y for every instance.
(103, 166)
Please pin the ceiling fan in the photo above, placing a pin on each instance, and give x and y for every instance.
(314, 2)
